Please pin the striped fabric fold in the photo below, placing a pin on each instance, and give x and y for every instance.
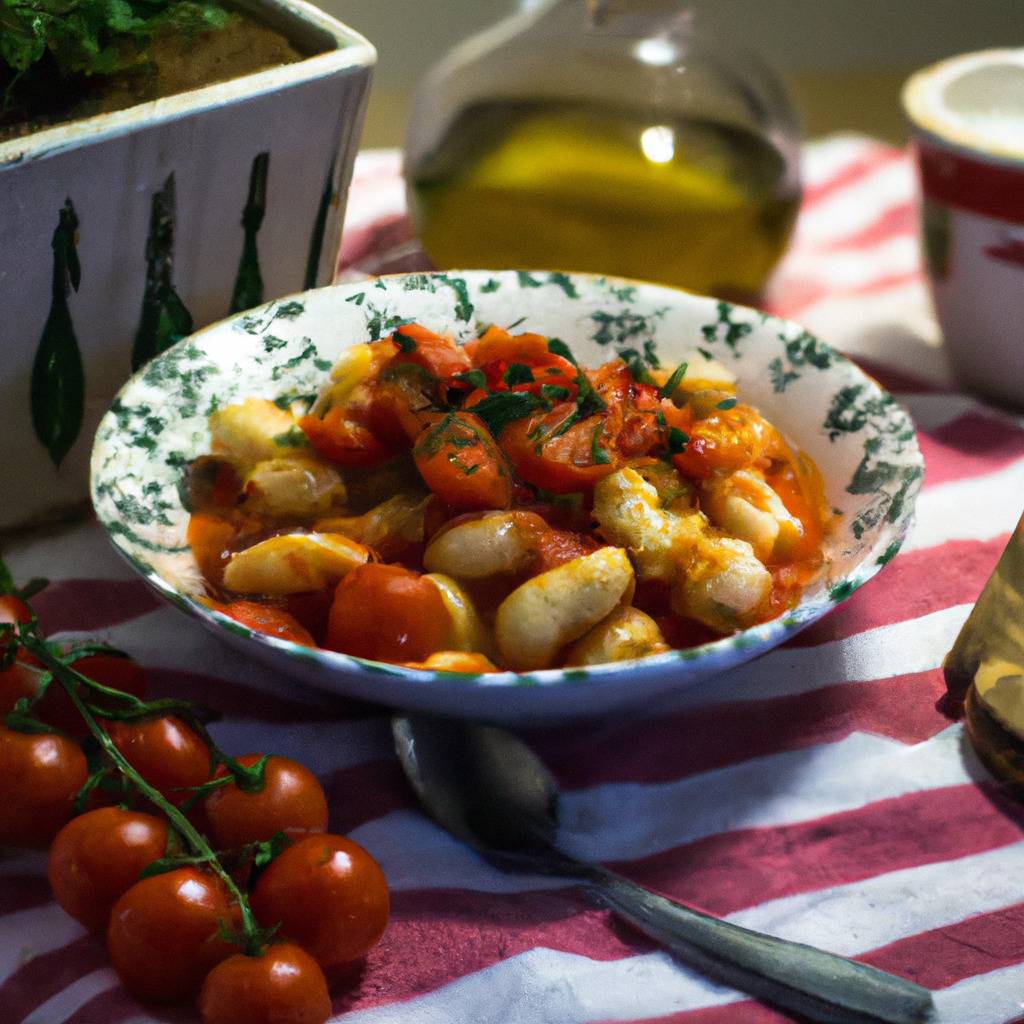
(819, 793)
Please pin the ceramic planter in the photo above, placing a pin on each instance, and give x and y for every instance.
(122, 232)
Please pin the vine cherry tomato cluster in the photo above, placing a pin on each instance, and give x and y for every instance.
(212, 877)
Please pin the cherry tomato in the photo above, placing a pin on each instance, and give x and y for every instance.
(164, 751)
(555, 547)
(460, 462)
(341, 438)
(40, 775)
(265, 618)
(124, 674)
(497, 345)
(292, 801)
(215, 536)
(98, 856)
(730, 439)
(551, 451)
(329, 896)
(438, 355)
(164, 934)
(55, 708)
(284, 985)
(18, 680)
(387, 613)
(13, 610)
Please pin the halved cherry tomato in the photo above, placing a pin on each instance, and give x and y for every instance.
(438, 355)
(291, 801)
(551, 451)
(164, 751)
(387, 613)
(329, 896)
(265, 618)
(98, 856)
(284, 985)
(40, 775)
(164, 934)
(461, 463)
(341, 438)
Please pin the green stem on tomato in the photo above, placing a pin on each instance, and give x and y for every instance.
(70, 680)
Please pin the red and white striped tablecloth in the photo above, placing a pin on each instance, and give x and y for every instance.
(817, 793)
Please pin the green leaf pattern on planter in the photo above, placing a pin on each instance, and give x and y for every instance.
(248, 291)
(58, 378)
(164, 319)
(316, 238)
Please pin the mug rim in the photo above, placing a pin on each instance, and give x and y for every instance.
(937, 126)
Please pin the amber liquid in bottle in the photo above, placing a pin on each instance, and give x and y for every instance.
(567, 186)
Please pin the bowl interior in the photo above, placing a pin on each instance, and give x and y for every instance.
(860, 438)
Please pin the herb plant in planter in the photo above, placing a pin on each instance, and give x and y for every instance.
(162, 163)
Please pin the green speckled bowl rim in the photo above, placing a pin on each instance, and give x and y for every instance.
(890, 472)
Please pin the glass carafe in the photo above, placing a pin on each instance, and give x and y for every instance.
(610, 137)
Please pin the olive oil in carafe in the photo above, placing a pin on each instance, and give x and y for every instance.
(561, 186)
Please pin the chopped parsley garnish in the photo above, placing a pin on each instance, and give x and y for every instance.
(598, 455)
(668, 389)
(677, 440)
(517, 373)
(554, 392)
(559, 348)
(500, 408)
(404, 342)
(293, 437)
(474, 378)
(726, 403)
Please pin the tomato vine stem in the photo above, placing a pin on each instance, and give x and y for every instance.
(254, 938)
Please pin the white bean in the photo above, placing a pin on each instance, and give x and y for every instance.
(625, 634)
(500, 542)
(293, 563)
(550, 610)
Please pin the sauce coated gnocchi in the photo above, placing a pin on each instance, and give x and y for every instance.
(497, 506)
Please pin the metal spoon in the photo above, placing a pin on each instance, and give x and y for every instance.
(488, 789)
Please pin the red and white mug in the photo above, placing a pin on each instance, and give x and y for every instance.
(968, 119)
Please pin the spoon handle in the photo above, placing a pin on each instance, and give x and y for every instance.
(819, 986)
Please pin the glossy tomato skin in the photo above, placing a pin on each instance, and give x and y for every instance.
(98, 856)
(291, 801)
(387, 613)
(164, 751)
(461, 463)
(265, 618)
(163, 936)
(40, 775)
(329, 895)
(284, 985)
(124, 674)
(13, 610)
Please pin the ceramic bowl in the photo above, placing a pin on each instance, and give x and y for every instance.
(860, 438)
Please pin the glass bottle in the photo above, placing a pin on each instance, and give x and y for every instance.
(608, 136)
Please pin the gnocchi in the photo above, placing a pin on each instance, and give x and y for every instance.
(495, 506)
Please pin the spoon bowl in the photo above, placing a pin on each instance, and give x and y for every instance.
(488, 789)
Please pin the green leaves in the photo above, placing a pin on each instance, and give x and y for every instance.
(58, 378)
(92, 37)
